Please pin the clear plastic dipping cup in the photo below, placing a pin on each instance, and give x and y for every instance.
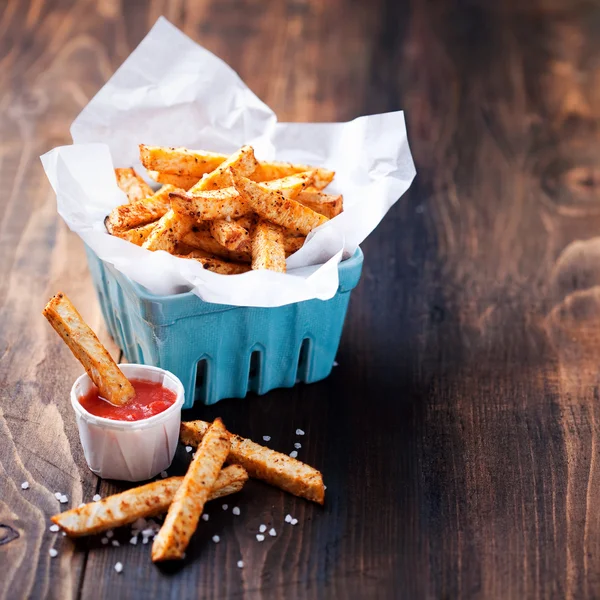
(130, 450)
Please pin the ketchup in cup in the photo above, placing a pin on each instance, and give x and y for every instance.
(151, 398)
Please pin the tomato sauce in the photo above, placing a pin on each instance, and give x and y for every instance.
(151, 398)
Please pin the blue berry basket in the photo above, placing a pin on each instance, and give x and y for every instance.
(220, 351)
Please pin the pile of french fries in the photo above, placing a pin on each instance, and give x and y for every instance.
(230, 213)
(182, 498)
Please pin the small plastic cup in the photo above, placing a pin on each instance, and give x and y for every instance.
(130, 450)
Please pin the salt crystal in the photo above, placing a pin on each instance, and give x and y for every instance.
(236, 511)
(53, 552)
(288, 518)
(299, 432)
(64, 499)
(163, 474)
(25, 485)
(205, 517)
(225, 506)
(148, 532)
(240, 564)
(96, 498)
(267, 438)
(294, 521)
(216, 539)
(57, 495)
(293, 454)
(336, 363)
(272, 532)
(262, 528)
(119, 567)
(144, 540)
(54, 528)
(188, 448)
(110, 533)
(115, 543)
(104, 540)
(134, 540)
(260, 537)
(297, 445)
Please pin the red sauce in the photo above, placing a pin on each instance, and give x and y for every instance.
(150, 399)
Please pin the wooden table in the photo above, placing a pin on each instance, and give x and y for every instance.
(459, 436)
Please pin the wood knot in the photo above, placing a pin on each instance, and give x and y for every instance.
(7, 534)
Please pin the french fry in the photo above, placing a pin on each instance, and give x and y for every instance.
(88, 350)
(184, 182)
(275, 468)
(188, 503)
(232, 235)
(243, 160)
(137, 235)
(274, 207)
(180, 161)
(212, 263)
(292, 243)
(325, 204)
(214, 204)
(247, 222)
(267, 247)
(140, 212)
(132, 184)
(200, 239)
(144, 501)
(266, 171)
(168, 232)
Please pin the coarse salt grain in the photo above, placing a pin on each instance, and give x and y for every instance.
(225, 506)
(110, 533)
(64, 533)
(205, 517)
(267, 438)
(297, 445)
(188, 448)
(64, 499)
(53, 552)
(272, 532)
(96, 497)
(119, 567)
(299, 432)
(216, 539)
(115, 543)
(236, 511)
(144, 540)
(57, 495)
(104, 540)
(134, 540)
(260, 537)
(240, 564)
(293, 454)
(54, 528)
(163, 474)
(262, 528)
(336, 363)
(25, 485)
(288, 518)
(294, 521)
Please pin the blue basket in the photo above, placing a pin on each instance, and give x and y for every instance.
(220, 351)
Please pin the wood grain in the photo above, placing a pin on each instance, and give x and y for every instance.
(459, 436)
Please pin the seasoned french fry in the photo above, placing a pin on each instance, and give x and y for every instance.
(267, 247)
(267, 171)
(184, 182)
(180, 161)
(274, 207)
(325, 204)
(292, 243)
(231, 235)
(275, 468)
(137, 235)
(188, 503)
(88, 350)
(212, 263)
(203, 240)
(243, 160)
(169, 231)
(141, 212)
(132, 184)
(247, 222)
(214, 204)
(144, 501)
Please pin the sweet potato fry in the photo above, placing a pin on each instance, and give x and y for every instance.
(203, 240)
(243, 160)
(214, 204)
(132, 184)
(180, 161)
(273, 467)
(292, 243)
(188, 503)
(183, 182)
(266, 171)
(231, 235)
(168, 232)
(273, 206)
(267, 247)
(212, 263)
(137, 235)
(88, 350)
(325, 204)
(145, 501)
(140, 212)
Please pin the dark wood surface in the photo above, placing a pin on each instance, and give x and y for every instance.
(459, 436)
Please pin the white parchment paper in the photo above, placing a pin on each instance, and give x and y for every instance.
(172, 92)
